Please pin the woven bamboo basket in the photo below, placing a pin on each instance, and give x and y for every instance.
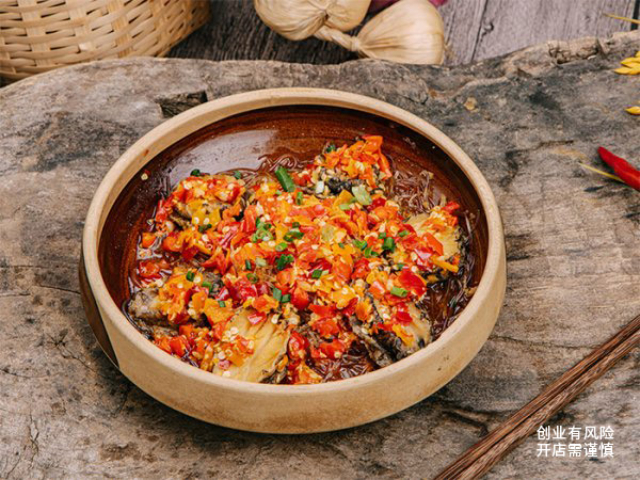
(40, 35)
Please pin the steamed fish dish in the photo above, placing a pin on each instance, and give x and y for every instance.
(299, 274)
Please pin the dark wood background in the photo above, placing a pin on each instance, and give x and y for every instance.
(475, 30)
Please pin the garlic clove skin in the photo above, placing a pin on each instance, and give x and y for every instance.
(409, 31)
(300, 19)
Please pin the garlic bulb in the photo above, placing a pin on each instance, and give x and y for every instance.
(300, 19)
(409, 31)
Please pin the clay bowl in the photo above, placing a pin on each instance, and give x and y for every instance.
(239, 132)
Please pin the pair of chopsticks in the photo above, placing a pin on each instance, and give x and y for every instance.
(480, 458)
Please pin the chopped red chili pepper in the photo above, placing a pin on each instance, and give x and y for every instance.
(151, 268)
(300, 298)
(179, 345)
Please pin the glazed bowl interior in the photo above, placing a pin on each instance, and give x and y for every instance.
(295, 134)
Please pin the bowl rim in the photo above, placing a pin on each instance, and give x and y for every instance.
(245, 102)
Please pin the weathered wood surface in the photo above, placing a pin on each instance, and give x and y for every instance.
(573, 250)
(475, 30)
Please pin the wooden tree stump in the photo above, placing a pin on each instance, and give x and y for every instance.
(573, 241)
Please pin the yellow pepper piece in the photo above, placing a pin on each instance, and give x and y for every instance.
(215, 217)
(342, 297)
(343, 198)
(405, 336)
(216, 313)
(377, 275)
(444, 265)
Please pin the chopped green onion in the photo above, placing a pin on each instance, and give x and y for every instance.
(261, 234)
(252, 277)
(316, 273)
(361, 194)
(204, 228)
(400, 266)
(283, 261)
(330, 148)
(295, 224)
(389, 244)
(403, 233)
(206, 285)
(286, 298)
(361, 244)
(277, 293)
(190, 275)
(368, 253)
(285, 179)
(382, 235)
(258, 222)
(237, 174)
(281, 247)
(221, 303)
(345, 206)
(293, 234)
(341, 245)
(399, 292)
(247, 265)
(299, 198)
(261, 262)
(196, 173)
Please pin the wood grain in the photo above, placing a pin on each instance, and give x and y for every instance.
(479, 459)
(475, 30)
(511, 25)
(463, 28)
